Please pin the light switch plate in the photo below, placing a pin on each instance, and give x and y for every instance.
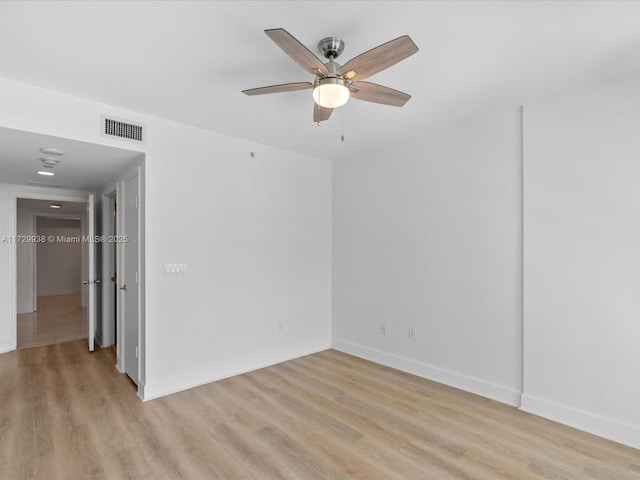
(173, 269)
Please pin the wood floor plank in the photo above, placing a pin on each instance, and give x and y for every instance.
(484, 418)
(65, 413)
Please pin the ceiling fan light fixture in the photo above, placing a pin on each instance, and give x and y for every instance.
(334, 83)
(330, 92)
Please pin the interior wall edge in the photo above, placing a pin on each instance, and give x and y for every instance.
(624, 433)
(451, 378)
(176, 383)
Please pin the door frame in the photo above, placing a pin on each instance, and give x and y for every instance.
(117, 188)
(108, 297)
(33, 256)
(135, 172)
(13, 227)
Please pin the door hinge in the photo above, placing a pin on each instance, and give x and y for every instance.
(136, 351)
(136, 277)
(136, 202)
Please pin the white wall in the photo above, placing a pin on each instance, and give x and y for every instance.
(582, 260)
(58, 264)
(255, 234)
(428, 235)
(25, 284)
(7, 281)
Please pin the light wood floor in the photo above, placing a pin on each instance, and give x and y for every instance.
(67, 414)
(59, 318)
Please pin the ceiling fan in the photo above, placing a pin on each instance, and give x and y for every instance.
(334, 83)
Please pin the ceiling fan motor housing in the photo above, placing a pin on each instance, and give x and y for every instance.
(331, 47)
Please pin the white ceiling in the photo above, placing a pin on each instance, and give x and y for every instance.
(84, 166)
(188, 61)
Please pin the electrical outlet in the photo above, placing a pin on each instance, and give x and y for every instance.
(383, 329)
(280, 327)
(412, 333)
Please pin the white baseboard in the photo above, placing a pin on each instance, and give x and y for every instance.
(454, 379)
(177, 383)
(604, 427)
(141, 391)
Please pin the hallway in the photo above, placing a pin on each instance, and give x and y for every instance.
(58, 319)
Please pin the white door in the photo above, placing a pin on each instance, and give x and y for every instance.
(91, 280)
(129, 279)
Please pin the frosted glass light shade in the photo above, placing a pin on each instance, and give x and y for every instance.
(330, 93)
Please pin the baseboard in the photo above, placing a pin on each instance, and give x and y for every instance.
(620, 432)
(178, 383)
(54, 293)
(141, 390)
(6, 348)
(478, 386)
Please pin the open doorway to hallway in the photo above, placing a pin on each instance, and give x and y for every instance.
(92, 175)
(51, 299)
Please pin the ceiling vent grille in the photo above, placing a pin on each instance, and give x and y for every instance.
(114, 127)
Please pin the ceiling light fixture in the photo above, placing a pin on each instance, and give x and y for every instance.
(42, 172)
(330, 92)
(50, 160)
(56, 205)
(51, 151)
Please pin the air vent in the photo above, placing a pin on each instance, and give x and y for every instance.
(115, 127)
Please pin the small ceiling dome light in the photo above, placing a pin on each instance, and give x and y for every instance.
(50, 160)
(56, 205)
(51, 151)
(42, 172)
(330, 92)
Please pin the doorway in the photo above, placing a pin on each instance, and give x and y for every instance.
(122, 264)
(110, 267)
(50, 299)
(130, 289)
(81, 170)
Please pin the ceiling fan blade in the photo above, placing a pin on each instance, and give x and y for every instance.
(379, 58)
(284, 87)
(372, 92)
(320, 114)
(296, 50)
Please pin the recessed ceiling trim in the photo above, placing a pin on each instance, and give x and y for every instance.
(45, 184)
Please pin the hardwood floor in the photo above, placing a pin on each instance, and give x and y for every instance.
(59, 318)
(67, 414)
